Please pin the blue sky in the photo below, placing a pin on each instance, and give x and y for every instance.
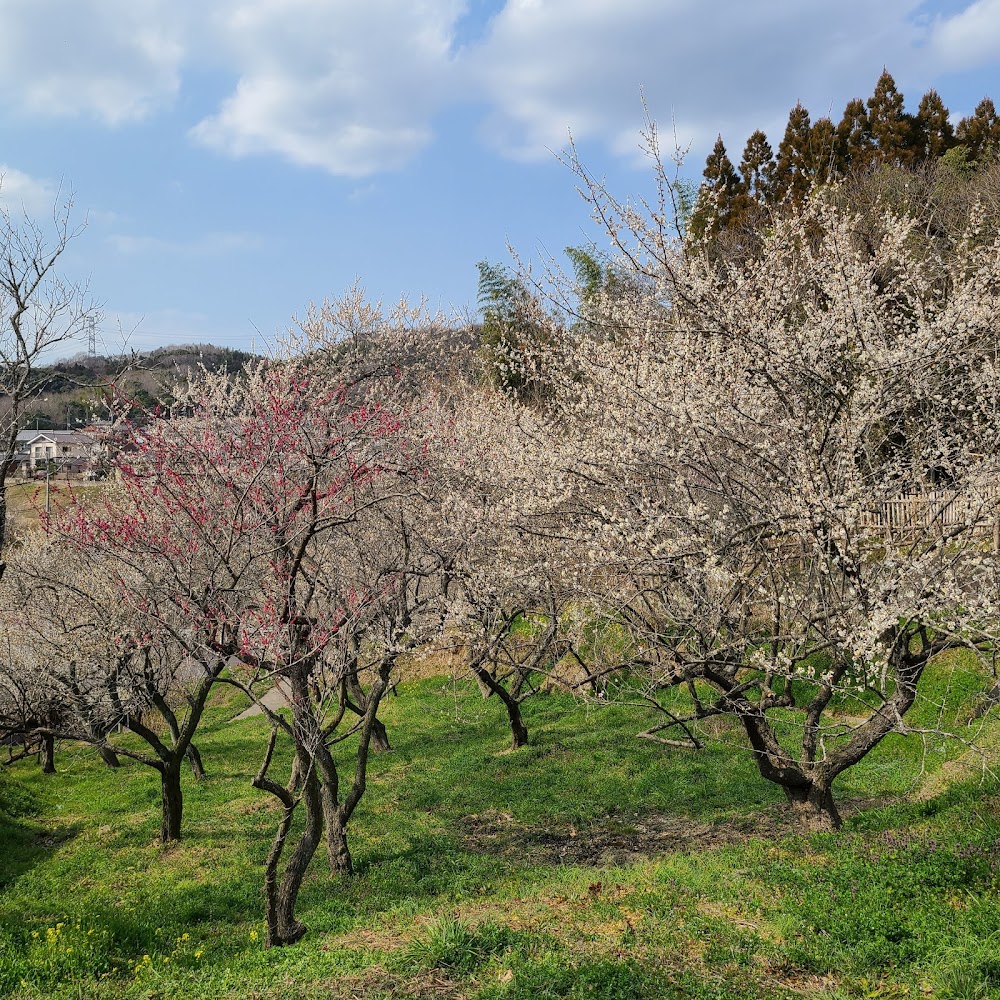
(236, 160)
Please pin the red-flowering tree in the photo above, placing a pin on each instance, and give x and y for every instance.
(270, 530)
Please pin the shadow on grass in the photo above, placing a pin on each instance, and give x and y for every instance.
(22, 850)
(26, 842)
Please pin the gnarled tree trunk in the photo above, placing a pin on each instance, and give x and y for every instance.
(281, 889)
(172, 800)
(814, 808)
(194, 759)
(288, 929)
(48, 754)
(358, 703)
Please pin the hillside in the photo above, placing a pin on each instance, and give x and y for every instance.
(588, 864)
(72, 391)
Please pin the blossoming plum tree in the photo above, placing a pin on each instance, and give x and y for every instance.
(511, 569)
(83, 664)
(739, 437)
(267, 538)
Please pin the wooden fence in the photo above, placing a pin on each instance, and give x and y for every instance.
(936, 510)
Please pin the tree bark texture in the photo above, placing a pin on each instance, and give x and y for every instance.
(814, 808)
(48, 755)
(173, 802)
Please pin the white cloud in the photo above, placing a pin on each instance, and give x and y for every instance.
(116, 60)
(353, 87)
(19, 192)
(346, 86)
(969, 38)
(730, 66)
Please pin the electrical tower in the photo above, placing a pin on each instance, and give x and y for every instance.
(91, 337)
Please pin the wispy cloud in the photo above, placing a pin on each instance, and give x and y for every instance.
(207, 245)
(21, 192)
(114, 60)
(581, 65)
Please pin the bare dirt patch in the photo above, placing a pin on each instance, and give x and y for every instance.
(616, 841)
(625, 840)
(53, 839)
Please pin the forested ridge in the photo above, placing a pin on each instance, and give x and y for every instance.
(871, 135)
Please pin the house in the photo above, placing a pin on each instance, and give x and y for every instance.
(63, 451)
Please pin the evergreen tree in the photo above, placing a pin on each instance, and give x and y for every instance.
(757, 168)
(980, 133)
(589, 272)
(854, 138)
(720, 176)
(889, 125)
(717, 196)
(934, 133)
(793, 172)
(823, 149)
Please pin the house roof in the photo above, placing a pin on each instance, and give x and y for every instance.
(56, 437)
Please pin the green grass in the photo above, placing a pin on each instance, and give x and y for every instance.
(588, 864)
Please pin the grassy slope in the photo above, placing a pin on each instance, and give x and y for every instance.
(588, 864)
(26, 501)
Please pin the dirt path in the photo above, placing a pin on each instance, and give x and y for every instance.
(274, 699)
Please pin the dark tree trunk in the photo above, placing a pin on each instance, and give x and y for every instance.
(338, 852)
(488, 684)
(194, 759)
(337, 849)
(271, 879)
(109, 756)
(48, 755)
(380, 737)
(286, 928)
(807, 789)
(173, 802)
(358, 703)
(814, 808)
(518, 730)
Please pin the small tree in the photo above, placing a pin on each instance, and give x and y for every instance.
(891, 128)
(934, 132)
(81, 642)
(513, 330)
(979, 133)
(757, 168)
(39, 309)
(856, 145)
(509, 565)
(718, 195)
(795, 166)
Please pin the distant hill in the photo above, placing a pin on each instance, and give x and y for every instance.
(72, 390)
